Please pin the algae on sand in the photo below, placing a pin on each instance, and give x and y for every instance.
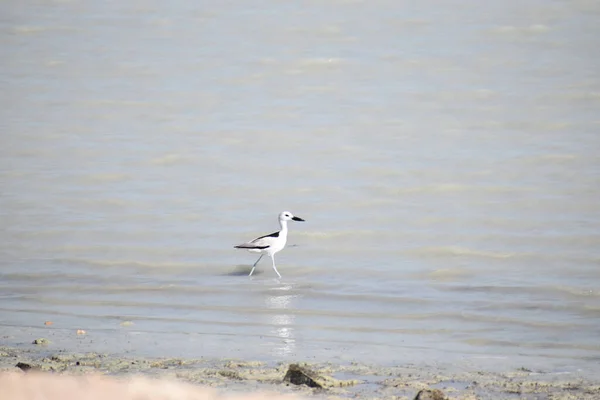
(311, 380)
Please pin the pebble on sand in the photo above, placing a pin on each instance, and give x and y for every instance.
(299, 375)
(41, 341)
(430, 394)
(302, 375)
(23, 366)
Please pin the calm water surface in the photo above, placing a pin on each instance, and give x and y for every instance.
(445, 157)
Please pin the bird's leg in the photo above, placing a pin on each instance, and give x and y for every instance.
(258, 260)
(274, 267)
(254, 266)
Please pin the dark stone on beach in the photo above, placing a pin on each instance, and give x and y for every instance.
(302, 375)
(430, 394)
(299, 375)
(23, 366)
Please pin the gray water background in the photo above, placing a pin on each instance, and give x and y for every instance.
(444, 154)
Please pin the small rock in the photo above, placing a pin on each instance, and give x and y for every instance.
(299, 375)
(430, 394)
(41, 341)
(23, 366)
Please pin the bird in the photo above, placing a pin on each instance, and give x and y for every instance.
(272, 243)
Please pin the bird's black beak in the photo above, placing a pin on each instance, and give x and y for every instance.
(297, 219)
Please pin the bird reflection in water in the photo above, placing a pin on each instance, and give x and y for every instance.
(281, 299)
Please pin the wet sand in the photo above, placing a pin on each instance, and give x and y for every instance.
(228, 377)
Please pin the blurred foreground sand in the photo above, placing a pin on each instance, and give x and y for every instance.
(44, 386)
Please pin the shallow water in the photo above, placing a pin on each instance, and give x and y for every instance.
(445, 158)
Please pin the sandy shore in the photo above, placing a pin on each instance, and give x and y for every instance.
(23, 368)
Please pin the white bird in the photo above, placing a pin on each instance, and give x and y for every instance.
(270, 244)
